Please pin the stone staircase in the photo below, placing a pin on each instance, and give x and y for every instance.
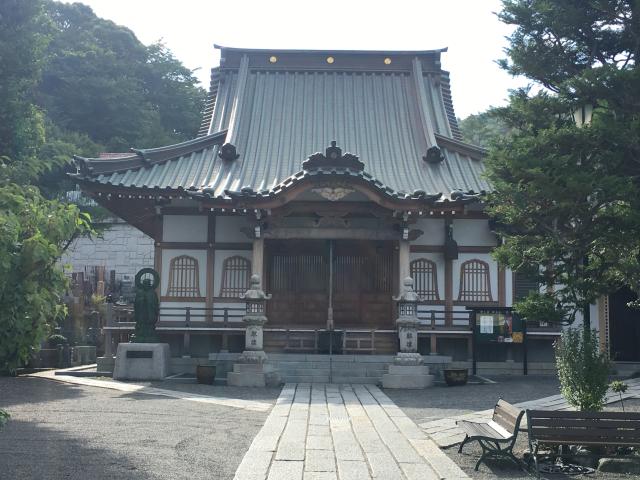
(358, 369)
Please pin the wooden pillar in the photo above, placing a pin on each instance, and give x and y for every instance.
(403, 262)
(211, 256)
(434, 344)
(448, 282)
(157, 252)
(502, 286)
(257, 264)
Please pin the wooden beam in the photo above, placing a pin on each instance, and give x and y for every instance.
(284, 233)
(502, 286)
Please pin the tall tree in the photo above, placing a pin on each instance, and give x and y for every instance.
(566, 191)
(99, 79)
(33, 231)
(23, 38)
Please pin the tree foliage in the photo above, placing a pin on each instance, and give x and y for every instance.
(482, 129)
(566, 193)
(70, 83)
(34, 232)
(98, 79)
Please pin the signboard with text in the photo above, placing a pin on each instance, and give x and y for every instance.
(498, 326)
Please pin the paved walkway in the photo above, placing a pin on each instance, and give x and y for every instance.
(346, 432)
(252, 405)
(446, 433)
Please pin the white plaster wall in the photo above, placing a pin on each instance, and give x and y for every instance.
(433, 229)
(199, 255)
(228, 229)
(220, 257)
(493, 272)
(167, 313)
(438, 258)
(184, 228)
(473, 233)
(122, 248)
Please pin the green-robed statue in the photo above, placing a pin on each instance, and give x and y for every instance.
(146, 306)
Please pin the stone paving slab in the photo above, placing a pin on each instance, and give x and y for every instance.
(346, 432)
(445, 433)
(135, 388)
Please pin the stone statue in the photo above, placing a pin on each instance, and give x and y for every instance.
(146, 306)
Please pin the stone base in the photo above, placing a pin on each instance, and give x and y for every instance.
(407, 376)
(142, 361)
(253, 375)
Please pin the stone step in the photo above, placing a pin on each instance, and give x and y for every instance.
(347, 379)
(305, 378)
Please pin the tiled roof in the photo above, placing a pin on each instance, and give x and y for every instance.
(278, 113)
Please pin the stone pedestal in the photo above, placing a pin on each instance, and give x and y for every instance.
(253, 375)
(407, 371)
(142, 361)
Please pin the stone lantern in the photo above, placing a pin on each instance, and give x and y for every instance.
(407, 370)
(407, 322)
(251, 370)
(254, 319)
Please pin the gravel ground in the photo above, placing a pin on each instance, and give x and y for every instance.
(442, 402)
(61, 431)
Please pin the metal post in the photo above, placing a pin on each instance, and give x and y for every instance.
(473, 342)
(330, 308)
(525, 362)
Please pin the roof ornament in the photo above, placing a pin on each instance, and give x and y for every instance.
(434, 155)
(228, 152)
(333, 157)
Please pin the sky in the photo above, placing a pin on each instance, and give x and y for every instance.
(469, 28)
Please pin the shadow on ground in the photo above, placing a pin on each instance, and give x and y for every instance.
(29, 451)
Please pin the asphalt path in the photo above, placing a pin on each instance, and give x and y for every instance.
(62, 431)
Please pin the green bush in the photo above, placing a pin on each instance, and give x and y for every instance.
(583, 370)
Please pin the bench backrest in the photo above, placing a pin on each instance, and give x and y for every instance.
(507, 416)
(615, 428)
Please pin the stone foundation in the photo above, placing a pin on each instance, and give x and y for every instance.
(142, 361)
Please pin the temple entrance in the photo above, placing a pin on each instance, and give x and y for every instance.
(308, 277)
(624, 327)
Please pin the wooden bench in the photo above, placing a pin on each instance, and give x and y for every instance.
(496, 437)
(563, 428)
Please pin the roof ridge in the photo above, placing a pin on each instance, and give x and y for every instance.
(460, 146)
(146, 157)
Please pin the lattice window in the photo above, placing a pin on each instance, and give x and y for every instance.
(236, 272)
(425, 278)
(474, 282)
(183, 277)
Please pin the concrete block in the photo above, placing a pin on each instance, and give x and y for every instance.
(320, 461)
(142, 361)
(408, 369)
(407, 381)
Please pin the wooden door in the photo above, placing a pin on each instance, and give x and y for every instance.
(298, 279)
(624, 327)
(362, 284)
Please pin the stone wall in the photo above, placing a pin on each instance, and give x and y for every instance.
(122, 248)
